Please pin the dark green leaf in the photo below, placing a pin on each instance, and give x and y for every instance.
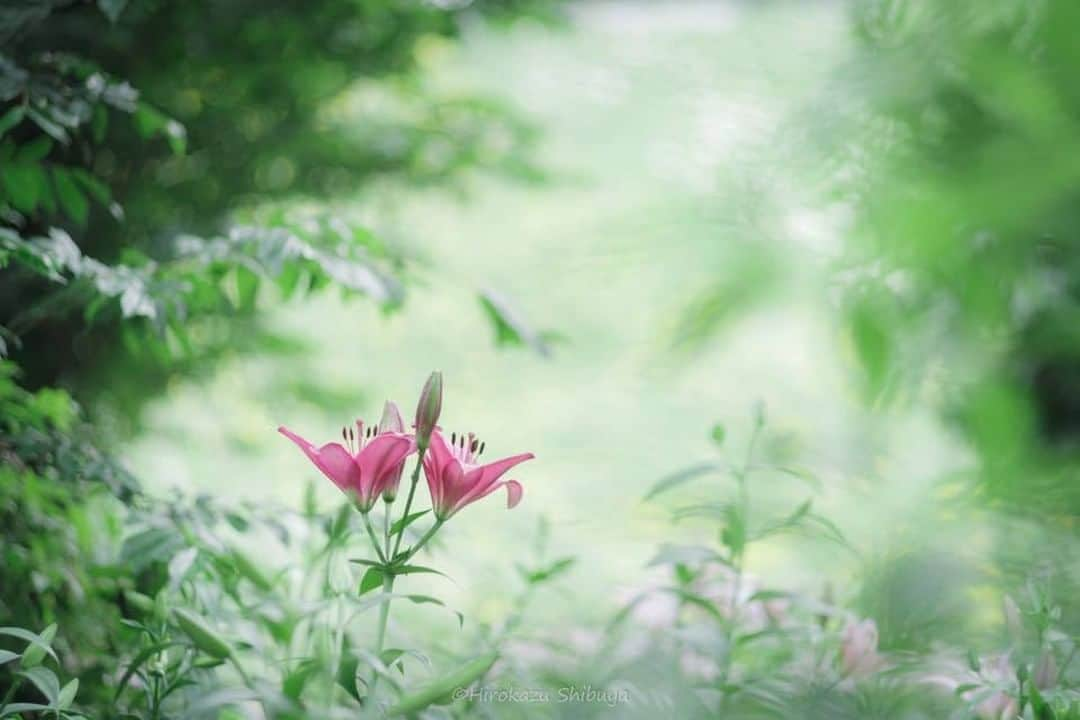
(72, 199)
(371, 580)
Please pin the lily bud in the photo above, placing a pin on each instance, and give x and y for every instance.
(428, 409)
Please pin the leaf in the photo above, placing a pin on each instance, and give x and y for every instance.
(34, 151)
(790, 522)
(23, 183)
(7, 656)
(67, 694)
(204, 637)
(12, 118)
(372, 579)
(71, 196)
(510, 327)
(54, 130)
(406, 521)
(42, 642)
(437, 690)
(93, 185)
(295, 681)
(416, 570)
(44, 680)
(551, 571)
(718, 434)
(16, 708)
(681, 477)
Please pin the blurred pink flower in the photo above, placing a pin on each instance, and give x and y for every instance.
(364, 469)
(858, 649)
(456, 479)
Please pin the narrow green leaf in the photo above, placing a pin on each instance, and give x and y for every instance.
(202, 635)
(67, 694)
(443, 688)
(71, 197)
(40, 645)
(406, 521)
(551, 571)
(16, 708)
(414, 570)
(681, 477)
(45, 681)
(7, 656)
(11, 118)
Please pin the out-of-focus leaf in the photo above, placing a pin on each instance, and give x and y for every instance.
(681, 477)
(440, 691)
(44, 680)
(510, 327)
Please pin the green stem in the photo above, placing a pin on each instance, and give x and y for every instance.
(374, 540)
(386, 528)
(380, 636)
(423, 540)
(412, 492)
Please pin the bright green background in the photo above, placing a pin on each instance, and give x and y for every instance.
(671, 133)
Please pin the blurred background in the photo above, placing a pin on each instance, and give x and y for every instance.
(782, 295)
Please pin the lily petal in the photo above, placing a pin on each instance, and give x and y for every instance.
(491, 472)
(332, 459)
(379, 458)
(391, 419)
(514, 492)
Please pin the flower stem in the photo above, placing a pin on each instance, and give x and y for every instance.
(374, 540)
(386, 528)
(421, 449)
(380, 636)
(423, 540)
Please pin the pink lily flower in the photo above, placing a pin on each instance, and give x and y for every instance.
(392, 422)
(456, 479)
(368, 466)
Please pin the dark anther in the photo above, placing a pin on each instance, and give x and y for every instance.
(481, 451)
(473, 446)
(453, 439)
